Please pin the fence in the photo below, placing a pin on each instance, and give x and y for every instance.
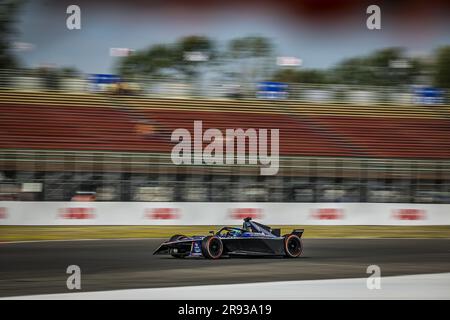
(175, 88)
(61, 176)
(163, 213)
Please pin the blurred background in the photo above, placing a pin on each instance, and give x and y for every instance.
(87, 114)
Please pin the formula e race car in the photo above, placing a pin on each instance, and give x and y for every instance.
(253, 239)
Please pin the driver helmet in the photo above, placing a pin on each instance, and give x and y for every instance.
(235, 232)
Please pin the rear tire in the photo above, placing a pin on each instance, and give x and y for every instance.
(212, 247)
(293, 246)
(174, 254)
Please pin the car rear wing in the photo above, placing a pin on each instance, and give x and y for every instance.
(276, 232)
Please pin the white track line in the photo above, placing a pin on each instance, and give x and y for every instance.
(425, 286)
(77, 240)
(125, 239)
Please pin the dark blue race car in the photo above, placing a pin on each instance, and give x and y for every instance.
(253, 239)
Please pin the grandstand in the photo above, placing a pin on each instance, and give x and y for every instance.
(119, 148)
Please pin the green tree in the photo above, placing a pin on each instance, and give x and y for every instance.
(442, 67)
(69, 72)
(385, 67)
(8, 12)
(152, 61)
(193, 44)
(353, 71)
(252, 56)
(161, 59)
(250, 47)
(301, 76)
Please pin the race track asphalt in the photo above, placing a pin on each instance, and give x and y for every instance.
(40, 267)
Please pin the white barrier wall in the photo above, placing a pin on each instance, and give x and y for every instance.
(201, 213)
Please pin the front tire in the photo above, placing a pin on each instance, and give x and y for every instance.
(212, 247)
(293, 246)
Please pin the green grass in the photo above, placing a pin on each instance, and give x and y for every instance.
(24, 233)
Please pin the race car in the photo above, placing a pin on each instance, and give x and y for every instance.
(253, 239)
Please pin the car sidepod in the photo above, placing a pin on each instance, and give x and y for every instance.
(254, 246)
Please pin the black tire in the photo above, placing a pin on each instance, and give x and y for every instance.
(173, 254)
(212, 247)
(293, 246)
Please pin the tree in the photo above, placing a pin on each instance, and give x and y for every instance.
(353, 71)
(301, 76)
(161, 59)
(442, 67)
(252, 54)
(69, 72)
(250, 47)
(198, 46)
(386, 67)
(152, 61)
(8, 12)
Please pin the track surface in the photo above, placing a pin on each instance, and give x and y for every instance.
(40, 267)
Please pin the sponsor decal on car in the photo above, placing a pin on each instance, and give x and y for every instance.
(163, 213)
(328, 214)
(76, 213)
(197, 248)
(241, 213)
(409, 214)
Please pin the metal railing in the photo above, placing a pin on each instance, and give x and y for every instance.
(60, 175)
(57, 186)
(140, 162)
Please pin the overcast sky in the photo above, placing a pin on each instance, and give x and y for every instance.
(321, 35)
